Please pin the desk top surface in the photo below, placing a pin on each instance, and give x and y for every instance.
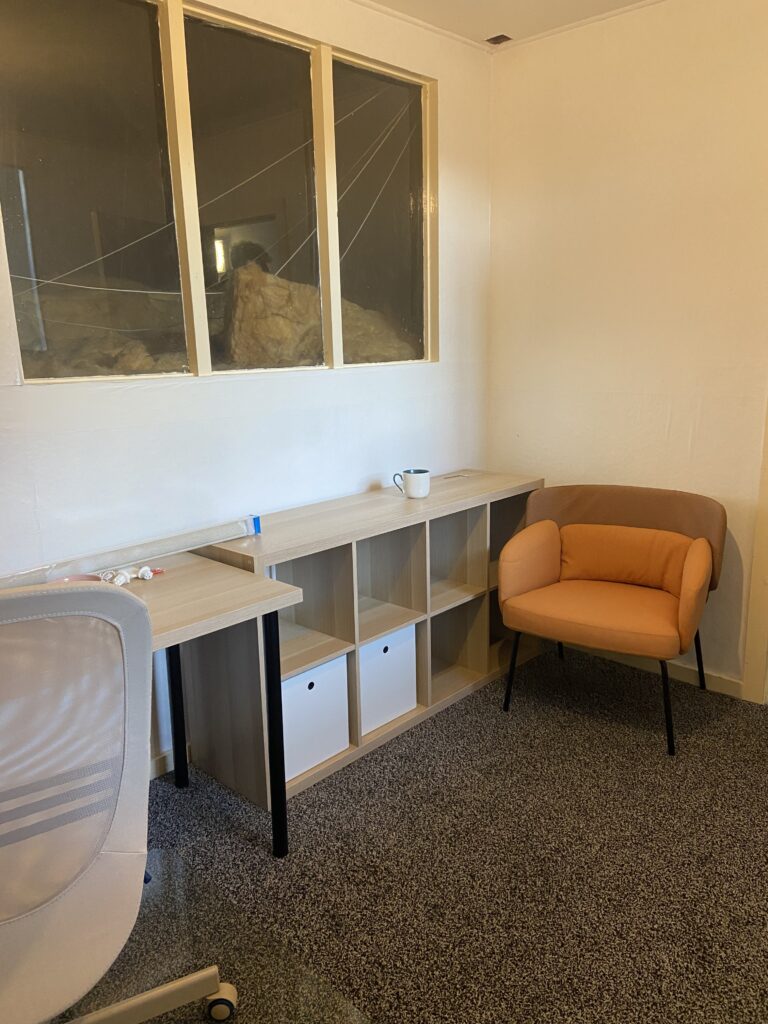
(309, 528)
(196, 596)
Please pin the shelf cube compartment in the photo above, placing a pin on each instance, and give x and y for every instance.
(458, 553)
(459, 648)
(387, 678)
(391, 581)
(322, 627)
(315, 716)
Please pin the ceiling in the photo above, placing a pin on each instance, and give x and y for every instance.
(521, 19)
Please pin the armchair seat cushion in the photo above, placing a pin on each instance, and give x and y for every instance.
(619, 617)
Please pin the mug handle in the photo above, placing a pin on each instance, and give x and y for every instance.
(397, 485)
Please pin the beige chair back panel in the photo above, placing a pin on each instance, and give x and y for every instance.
(652, 508)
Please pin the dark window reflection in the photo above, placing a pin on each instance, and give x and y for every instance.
(252, 128)
(380, 191)
(85, 189)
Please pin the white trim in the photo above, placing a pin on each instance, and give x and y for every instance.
(431, 222)
(11, 371)
(489, 48)
(181, 156)
(683, 673)
(388, 12)
(217, 15)
(162, 763)
(756, 640)
(515, 43)
(324, 134)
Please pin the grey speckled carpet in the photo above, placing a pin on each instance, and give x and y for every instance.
(549, 866)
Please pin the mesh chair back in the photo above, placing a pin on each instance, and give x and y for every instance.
(75, 676)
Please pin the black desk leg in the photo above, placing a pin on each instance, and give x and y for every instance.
(178, 728)
(276, 752)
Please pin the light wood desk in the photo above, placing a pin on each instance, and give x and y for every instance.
(195, 597)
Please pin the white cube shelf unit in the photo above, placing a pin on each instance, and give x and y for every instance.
(373, 567)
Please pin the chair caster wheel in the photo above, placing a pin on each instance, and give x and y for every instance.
(222, 1005)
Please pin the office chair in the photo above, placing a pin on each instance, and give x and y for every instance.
(623, 569)
(75, 684)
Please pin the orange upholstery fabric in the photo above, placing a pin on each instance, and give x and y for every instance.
(624, 554)
(648, 507)
(693, 592)
(529, 560)
(610, 616)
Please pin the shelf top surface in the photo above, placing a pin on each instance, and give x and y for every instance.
(195, 596)
(310, 528)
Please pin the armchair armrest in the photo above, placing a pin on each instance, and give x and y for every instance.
(531, 559)
(697, 570)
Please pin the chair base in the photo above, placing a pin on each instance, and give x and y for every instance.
(220, 1000)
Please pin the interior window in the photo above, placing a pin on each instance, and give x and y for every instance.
(380, 195)
(254, 160)
(85, 189)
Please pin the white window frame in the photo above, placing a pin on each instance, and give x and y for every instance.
(171, 14)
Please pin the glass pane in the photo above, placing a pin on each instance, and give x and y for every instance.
(380, 190)
(85, 189)
(251, 105)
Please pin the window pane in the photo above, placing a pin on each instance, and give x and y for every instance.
(85, 189)
(251, 105)
(380, 179)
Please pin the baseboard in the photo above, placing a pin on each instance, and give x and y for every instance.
(163, 763)
(684, 673)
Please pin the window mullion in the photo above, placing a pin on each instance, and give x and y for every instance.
(182, 161)
(431, 241)
(10, 350)
(327, 210)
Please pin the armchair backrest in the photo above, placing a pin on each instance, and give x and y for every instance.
(75, 678)
(692, 515)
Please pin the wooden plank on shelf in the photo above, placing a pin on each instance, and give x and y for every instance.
(395, 727)
(302, 648)
(451, 680)
(377, 618)
(321, 771)
(448, 594)
(300, 531)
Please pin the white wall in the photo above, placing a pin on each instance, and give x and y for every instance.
(89, 466)
(630, 261)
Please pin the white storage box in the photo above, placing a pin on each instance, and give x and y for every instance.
(388, 677)
(315, 716)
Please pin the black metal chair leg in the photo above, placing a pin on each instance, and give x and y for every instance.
(667, 709)
(700, 662)
(560, 651)
(178, 727)
(511, 673)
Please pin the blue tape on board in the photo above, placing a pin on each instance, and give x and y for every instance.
(256, 524)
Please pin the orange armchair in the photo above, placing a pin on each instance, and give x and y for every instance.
(624, 569)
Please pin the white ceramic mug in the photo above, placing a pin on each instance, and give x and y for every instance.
(414, 482)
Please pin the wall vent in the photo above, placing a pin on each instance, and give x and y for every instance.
(498, 40)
